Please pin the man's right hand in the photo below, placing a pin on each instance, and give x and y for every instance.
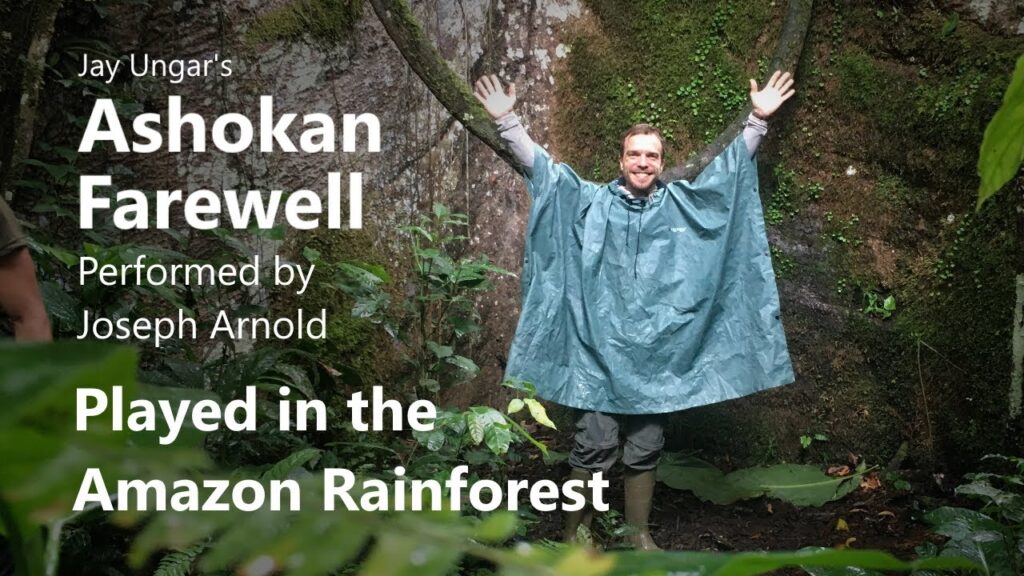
(490, 93)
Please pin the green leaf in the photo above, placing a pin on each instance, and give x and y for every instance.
(958, 523)
(311, 254)
(283, 469)
(59, 254)
(179, 563)
(991, 554)
(751, 563)
(704, 480)
(430, 385)
(515, 405)
(439, 350)
(428, 253)
(418, 230)
(481, 418)
(406, 555)
(464, 363)
(498, 438)
(539, 413)
(61, 305)
(370, 307)
(433, 440)
(889, 304)
(843, 571)
(951, 24)
(1002, 148)
(521, 385)
(292, 376)
(477, 457)
(59, 172)
(987, 493)
(45, 456)
(463, 325)
(68, 154)
(475, 426)
(797, 484)
(321, 553)
(496, 528)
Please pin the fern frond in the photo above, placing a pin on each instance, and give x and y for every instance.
(179, 563)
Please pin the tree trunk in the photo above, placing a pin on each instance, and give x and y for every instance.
(454, 94)
(22, 100)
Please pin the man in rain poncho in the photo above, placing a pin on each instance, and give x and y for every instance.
(641, 297)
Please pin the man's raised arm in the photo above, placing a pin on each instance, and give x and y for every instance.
(499, 104)
(764, 103)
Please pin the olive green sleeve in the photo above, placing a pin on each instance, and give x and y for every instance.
(11, 236)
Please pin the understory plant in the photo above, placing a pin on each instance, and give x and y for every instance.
(992, 536)
(45, 458)
(433, 325)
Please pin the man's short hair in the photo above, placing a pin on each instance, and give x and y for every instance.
(641, 129)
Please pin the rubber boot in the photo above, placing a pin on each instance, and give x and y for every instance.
(639, 495)
(583, 516)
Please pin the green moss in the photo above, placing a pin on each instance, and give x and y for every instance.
(950, 351)
(353, 346)
(859, 77)
(906, 105)
(962, 308)
(681, 66)
(323, 22)
(938, 95)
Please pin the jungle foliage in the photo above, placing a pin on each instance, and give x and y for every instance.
(431, 324)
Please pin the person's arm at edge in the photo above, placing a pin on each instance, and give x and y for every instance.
(20, 297)
(764, 102)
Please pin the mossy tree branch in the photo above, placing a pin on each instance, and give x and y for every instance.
(455, 96)
(451, 90)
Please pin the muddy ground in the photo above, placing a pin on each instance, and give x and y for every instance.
(877, 516)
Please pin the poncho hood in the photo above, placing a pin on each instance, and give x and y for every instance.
(651, 304)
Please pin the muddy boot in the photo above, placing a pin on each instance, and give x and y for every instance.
(639, 494)
(582, 517)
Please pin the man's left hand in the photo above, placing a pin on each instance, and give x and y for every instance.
(767, 100)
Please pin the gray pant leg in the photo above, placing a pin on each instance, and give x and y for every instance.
(597, 441)
(645, 437)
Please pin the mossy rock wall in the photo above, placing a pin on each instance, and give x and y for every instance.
(868, 183)
(867, 180)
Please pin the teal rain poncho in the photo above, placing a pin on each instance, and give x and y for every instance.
(645, 306)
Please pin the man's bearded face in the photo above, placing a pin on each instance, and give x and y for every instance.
(641, 162)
